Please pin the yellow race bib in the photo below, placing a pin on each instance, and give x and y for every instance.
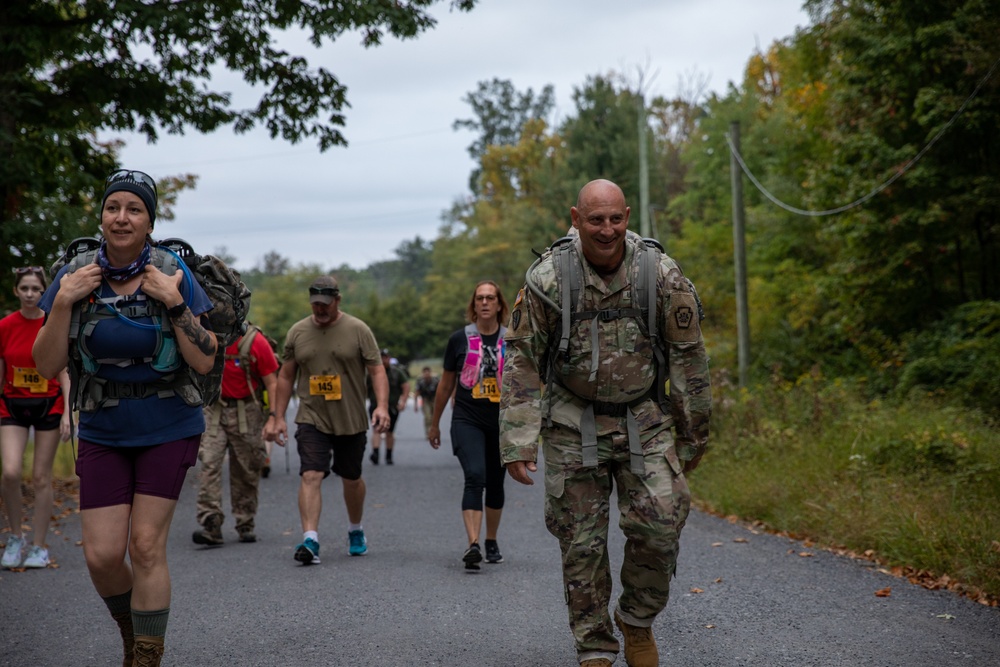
(488, 388)
(327, 386)
(30, 379)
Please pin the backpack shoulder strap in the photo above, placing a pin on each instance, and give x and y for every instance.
(567, 266)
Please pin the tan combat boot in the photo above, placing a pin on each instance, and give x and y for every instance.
(211, 534)
(640, 647)
(124, 621)
(148, 651)
(596, 662)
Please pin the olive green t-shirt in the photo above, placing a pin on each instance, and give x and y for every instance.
(325, 355)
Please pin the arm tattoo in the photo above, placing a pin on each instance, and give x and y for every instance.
(194, 332)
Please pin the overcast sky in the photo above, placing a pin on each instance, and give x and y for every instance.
(405, 165)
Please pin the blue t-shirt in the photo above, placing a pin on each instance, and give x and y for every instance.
(135, 422)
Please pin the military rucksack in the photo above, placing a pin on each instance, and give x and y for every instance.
(230, 300)
(569, 278)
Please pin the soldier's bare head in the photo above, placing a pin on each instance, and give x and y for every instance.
(601, 218)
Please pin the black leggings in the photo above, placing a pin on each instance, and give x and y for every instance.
(479, 453)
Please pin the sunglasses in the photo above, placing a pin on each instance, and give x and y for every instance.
(325, 291)
(131, 176)
(29, 269)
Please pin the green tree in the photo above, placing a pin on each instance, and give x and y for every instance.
(69, 68)
(500, 113)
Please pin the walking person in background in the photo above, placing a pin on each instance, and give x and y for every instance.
(473, 366)
(29, 401)
(326, 356)
(605, 419)
(235, 425)
(399, 391)
(426, 388)
(138, 342)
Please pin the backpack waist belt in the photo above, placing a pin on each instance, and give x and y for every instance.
(241, 412)
(588, 430)
(107, 393)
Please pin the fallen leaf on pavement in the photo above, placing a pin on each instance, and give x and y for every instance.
(884, 592)
(740, 540)
(697, 590)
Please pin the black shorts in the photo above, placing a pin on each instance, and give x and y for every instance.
(28, 412)
(316, 449)
(393, 416)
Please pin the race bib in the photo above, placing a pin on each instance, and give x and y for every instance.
(488, 388)
(30, 379)
(327, 386)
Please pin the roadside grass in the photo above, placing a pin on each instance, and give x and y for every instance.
(913, 485)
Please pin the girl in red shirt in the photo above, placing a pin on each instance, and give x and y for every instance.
(28, 400)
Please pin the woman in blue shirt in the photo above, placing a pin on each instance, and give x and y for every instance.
(140, 427)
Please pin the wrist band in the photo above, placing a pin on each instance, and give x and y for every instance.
(176, 311)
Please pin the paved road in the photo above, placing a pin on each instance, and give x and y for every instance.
(740, 599)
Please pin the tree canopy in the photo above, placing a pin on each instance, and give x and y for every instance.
(69, 68)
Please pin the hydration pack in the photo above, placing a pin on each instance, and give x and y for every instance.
(230, 300)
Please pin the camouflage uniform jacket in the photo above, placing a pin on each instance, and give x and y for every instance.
(626, 368)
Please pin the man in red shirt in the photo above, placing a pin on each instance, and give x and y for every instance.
(235, 424)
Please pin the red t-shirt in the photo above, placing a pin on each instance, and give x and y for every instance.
(21, 379)
(234, 377)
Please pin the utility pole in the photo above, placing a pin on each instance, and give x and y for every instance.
(644, 226)
(739, 256)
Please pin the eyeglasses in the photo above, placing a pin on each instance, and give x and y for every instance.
(325, 291)
(133, 176)
(21, 270)
(486, 297)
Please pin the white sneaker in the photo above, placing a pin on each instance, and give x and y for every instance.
(13, 553)
(37, 557)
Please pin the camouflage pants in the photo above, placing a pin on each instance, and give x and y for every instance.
(654, 507)
(428, 410)
(246, 459)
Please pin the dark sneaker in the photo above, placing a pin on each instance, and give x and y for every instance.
(493, 554)
(266, 470)
(211, 533)
(374, 457)
(472, 557)
(307, 553)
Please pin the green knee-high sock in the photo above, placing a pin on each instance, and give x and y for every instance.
(150, 623)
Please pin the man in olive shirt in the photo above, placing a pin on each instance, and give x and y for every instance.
(325, 357)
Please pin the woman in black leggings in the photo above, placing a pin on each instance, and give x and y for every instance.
(473, 363)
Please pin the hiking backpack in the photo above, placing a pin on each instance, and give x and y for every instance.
(230, 300)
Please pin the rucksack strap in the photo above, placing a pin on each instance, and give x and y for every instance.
(243, 353)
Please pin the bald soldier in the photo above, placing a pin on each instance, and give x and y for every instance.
(626, 405)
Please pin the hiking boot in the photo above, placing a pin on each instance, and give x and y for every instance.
(307, 553)
(246, 534)
(472, 557)
(148, 651)
(357, 545)
(13, 553)
(124, 621)
(211, 534)
(37, 557)
(596, 662)
(640, 646)
(493, 554)
(374, 457)
(266, 470)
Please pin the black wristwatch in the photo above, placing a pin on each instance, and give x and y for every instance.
(176, 311)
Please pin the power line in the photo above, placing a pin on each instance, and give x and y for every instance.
(878, 189)
(301, 151)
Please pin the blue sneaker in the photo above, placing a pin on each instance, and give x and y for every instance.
(358, 546)
(307, 553)
(13, 554)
